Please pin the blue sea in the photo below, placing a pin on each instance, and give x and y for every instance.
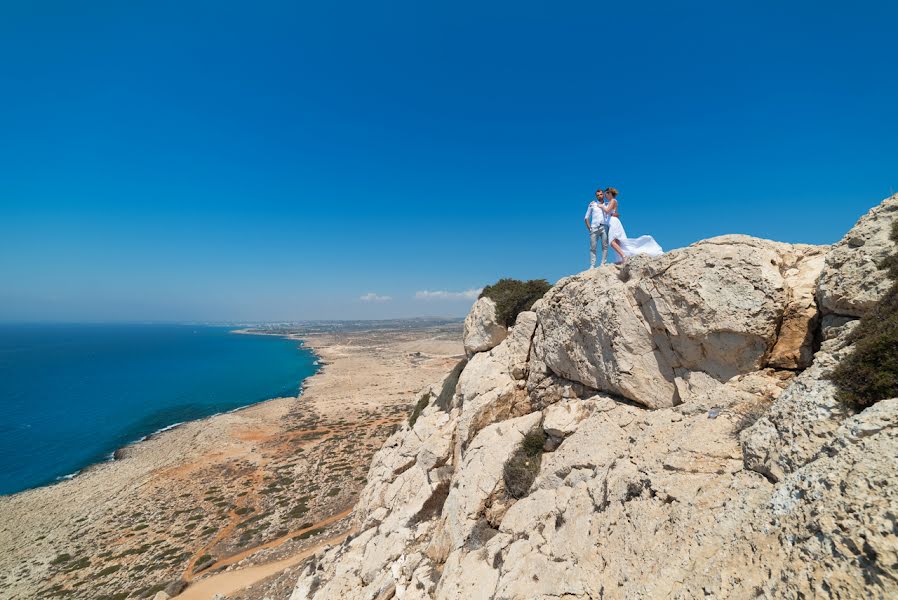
(70, 395)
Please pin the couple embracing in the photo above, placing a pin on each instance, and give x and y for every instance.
(603, 223)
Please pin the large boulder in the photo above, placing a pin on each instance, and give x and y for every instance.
(482, 330)
(717, 307)
(851, 281)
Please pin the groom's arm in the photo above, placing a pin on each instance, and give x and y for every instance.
(586, 218)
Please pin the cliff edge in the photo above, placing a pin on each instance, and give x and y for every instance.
(665, 429)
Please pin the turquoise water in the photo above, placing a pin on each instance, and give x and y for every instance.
(70, 395)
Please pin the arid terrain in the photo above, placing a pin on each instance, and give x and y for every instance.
(230, 503)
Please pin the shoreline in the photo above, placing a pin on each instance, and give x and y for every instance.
(120, 452)
(224, 485)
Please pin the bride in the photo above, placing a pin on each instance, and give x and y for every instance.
(618, 239)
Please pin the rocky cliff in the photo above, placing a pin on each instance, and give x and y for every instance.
(662, 430)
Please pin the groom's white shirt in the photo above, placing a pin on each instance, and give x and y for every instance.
(596, 216)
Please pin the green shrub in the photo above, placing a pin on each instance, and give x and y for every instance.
(298, 510)
(513, 296)
(308, 534)
(870, 373)
(202, 562)
(523, 466)
(107, 571)
(79, 564)
(449, 384)
(423, 401)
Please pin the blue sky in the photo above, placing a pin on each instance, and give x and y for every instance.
(282, 160)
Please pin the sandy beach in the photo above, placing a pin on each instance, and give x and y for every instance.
(228, 504)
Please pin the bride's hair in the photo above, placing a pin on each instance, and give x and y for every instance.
(612, 191)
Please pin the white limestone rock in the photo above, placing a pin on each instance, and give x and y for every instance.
(715, 307)
(480, 475)
(488, 389)
(482, 330)
(801, 421)
(852, 281)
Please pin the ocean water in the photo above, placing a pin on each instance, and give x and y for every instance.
(70, 395)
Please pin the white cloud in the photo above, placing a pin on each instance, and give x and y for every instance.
(443, 295)
(372, 297)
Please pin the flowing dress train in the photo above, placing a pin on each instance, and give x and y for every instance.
(645, 244)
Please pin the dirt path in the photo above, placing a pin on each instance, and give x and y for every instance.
(233, 520)
(229, 582)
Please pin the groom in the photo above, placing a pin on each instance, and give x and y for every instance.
(597, 221)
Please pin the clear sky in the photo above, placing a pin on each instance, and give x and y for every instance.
(302, 160)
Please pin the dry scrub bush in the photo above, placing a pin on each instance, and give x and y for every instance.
(870, 373)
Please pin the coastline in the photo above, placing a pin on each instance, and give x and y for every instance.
(224, 483)
(122, 451)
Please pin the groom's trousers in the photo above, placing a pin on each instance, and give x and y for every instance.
(600, 233)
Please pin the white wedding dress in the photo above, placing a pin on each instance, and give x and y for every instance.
(641, 245)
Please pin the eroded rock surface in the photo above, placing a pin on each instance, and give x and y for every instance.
(693, 447)
(852, 281)
(723, 307)
(482, 330)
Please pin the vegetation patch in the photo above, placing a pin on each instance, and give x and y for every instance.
(311, 533)
(513, 296)
(107, 571)
(202, 562)
(870, 373)
(139, 550)
(423, 401)
(449, 385)
(79, 564)
(298, 510)
(521, 469)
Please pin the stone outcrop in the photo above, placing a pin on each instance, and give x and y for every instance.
(491, 388)
(851, 281)
(693, 446)
(482, 330)
(722, 307)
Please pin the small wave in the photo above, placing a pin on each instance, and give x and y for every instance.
(167, 427)
(69, 476)
(158, 431)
